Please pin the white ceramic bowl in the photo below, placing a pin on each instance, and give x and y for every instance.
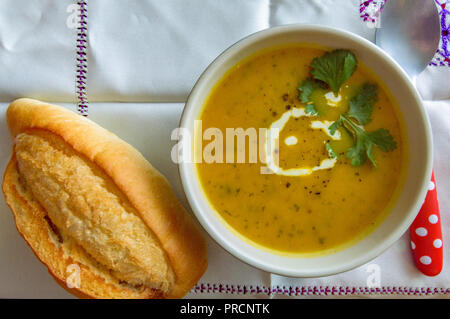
(418, 171)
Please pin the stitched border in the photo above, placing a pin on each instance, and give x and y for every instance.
(442, 57)
(316, 290)
(365, 14)
(81, 58)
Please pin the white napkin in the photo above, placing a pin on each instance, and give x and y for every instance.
(37, 56)
(153, 51)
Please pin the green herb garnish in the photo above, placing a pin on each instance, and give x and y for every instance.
(305, 89)
(364, 141)
(310, 109)
(334, 68)
(330, 151)
(361, 107)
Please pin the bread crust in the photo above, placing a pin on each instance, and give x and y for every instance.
(145, 188)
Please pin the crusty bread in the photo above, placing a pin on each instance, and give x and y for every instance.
(86, 201)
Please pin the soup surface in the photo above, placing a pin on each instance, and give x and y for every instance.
(320, 209)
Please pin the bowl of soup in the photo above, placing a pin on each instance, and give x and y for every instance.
(305, 150)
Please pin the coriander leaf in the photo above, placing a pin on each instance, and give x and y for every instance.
(357, 153)
(383, 139)
(361, 105)
(330, 151)
(364, 142)
(306, 88)
(310, 109)
(334, 68)
(333, 127)
(369, 155)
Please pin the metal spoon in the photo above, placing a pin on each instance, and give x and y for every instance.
(410, 32)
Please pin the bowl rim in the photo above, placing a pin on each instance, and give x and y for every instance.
(379, 248)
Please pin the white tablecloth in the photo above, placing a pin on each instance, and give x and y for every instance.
(152, 52)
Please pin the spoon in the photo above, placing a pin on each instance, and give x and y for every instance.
(410, 33)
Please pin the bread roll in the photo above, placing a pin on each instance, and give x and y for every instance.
(94, 211)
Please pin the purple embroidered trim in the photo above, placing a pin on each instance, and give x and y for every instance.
(369, 11)
(316, 291)
(82, 66)
(442, 57)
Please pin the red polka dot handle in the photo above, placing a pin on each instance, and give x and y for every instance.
(426, 235)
